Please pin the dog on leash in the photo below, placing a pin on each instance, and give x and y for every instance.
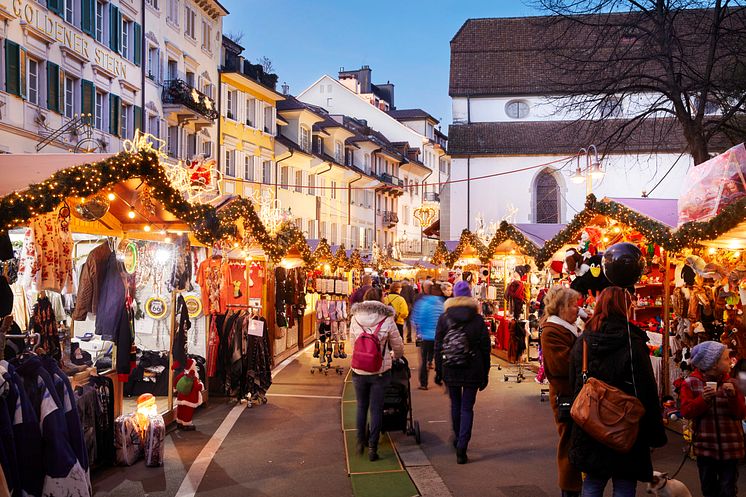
(662, 486)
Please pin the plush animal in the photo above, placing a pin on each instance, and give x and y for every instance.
(662, 486)
(574, 264)
(592, 281)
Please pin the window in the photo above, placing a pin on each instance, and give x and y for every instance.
(33, 81)
(517, 109)
(70, 11)
(173, 141)
(312, 184)
(339, 153)
(190, 19)
(191, 141)
(231, 101)
(251, 112)
(154, 63)
(546, 198)
(126, 26)
(311, 230)
(334, 234)
(305, 138)
(125, 121)
(207, 148)
(173, 11)
(711, 107)
(206, 35)
(99, 110)
(284, 177)
(173, 69)
(318, 144)
(366, 162)
(154, 126)
(334, 189)
(269, 119)
(70, 92)
(100, 22)
(248, 168)
(405, 214)
(230, 163)
(152, 3)
(267, 172)
(299, 181)
(610, 107)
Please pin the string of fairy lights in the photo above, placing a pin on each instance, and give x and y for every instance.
(211, 225)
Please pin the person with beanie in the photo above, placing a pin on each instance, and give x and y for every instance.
(711, 398)
(461, 315)
(425, 316)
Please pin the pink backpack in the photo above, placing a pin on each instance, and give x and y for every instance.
(366, 355)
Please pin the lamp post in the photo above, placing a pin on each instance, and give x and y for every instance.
(592, 169)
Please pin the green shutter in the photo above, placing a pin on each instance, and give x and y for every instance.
(87, 16)
(137, 52)
(12, 68)
(53, 87)
(55, 6)
(137, 119)
(87, 100)
(115, 111)
(115, 28)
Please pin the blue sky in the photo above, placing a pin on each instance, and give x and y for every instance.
(403, 41)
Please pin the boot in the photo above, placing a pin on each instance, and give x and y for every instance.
(373, 454)
(461, 456)
(336, 350)
(316, 349)
(342, 354)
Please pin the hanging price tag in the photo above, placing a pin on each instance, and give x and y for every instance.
(256, 328)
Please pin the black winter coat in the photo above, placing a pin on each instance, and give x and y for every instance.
(464, 310)
(609, 361)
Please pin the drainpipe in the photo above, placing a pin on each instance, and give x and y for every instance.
(468, 193)
(292, 151)
(143, 63)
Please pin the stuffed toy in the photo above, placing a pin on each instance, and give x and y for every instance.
(189, 395)
(588, 245)
(593, 280)
(574, 264)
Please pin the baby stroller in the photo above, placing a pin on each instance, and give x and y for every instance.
(397, 402)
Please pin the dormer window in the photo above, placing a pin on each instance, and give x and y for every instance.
(339, 152)
(305, 138)
(517, 109)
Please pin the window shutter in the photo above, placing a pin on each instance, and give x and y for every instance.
(53, 87)
(115, 28)
(55, 6)
(12, 68)
(87, 16)
(88, 93)
(137, 118)
(115, 112)
(136, 53)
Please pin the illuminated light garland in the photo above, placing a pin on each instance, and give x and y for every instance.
(355, 261)
(323, 253)
(340, 258)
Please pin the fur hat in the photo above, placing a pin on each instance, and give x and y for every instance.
(461, 289)
(706, 355)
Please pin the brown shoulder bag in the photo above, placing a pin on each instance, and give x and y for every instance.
(606, 413)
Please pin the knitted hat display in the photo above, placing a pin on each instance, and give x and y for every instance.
(706, 355)
(461, 289)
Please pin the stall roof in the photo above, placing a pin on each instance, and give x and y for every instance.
(21, 170)
(664, 210)
(734, 239)
(451, 244)
(539, 233)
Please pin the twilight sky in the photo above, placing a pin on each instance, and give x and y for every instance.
(403, 41)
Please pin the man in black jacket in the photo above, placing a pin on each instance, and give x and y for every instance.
(462, 316)
(409, 293)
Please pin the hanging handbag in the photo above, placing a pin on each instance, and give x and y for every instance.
(606, 413)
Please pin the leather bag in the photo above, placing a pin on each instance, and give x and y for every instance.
(606, 413)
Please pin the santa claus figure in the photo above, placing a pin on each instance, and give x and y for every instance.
(189, 395)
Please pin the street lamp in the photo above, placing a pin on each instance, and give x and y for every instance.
(591, 171)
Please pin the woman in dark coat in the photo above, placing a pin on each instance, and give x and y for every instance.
(558, 336)
(462, 312)
(612, 341)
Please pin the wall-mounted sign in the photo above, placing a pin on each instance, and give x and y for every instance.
(193, 305)
(156, 308)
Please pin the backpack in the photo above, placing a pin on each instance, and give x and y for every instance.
(366, 354)
(456, 351)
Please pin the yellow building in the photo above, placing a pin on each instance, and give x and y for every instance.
(248, 123)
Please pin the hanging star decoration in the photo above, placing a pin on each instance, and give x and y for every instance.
(195, 95)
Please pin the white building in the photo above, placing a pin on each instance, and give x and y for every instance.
(182, 48)
(63, 59)
(509, 124)
(415, 138)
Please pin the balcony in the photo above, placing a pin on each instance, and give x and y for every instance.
(387, 178)
(390, 218)
(431, 197)
(188, 104)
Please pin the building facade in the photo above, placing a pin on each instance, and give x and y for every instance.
(515, 141)
(70, 75)
(420, 147)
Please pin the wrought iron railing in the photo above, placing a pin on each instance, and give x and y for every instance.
(390, 217)
(177, 91)
(432, 197)
(388, 178)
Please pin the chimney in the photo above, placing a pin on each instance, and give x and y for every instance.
(285, 88)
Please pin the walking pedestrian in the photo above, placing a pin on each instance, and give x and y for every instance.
(401, 309)
(558, 335)
(409, 292)
(359, 294)
(618, 355)
(372, 316)
(461, 316)
(447, 289)
(711, 398)
(425, 316)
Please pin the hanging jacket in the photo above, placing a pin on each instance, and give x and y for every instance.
(180, 338)
(91, 278)
(609, 361)
(427, 311)
(365, 318)
(718, 431)
(464, 312)
(111, 300)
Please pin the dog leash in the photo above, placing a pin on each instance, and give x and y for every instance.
(683, 461)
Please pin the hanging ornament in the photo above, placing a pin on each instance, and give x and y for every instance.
(145, 198)
(92, 208)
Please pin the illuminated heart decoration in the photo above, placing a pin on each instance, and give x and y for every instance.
(425, 215)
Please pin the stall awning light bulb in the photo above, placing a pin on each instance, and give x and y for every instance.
(131, 214)
(111, 197)
(146, 228)
(167, 239)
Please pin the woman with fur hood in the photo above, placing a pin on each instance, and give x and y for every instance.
(373, 316)
(462, 314)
